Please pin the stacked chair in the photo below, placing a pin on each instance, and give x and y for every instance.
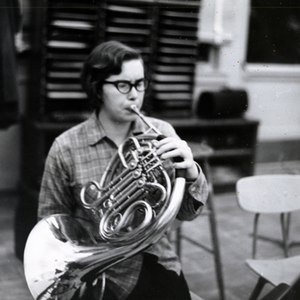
(272, 194)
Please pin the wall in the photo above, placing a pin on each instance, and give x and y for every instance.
(10, 139)
(273, 90)
(9, 158)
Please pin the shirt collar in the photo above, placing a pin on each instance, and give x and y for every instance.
(95, 130)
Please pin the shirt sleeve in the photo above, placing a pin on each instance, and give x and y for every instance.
(55, 193)
(195, 197)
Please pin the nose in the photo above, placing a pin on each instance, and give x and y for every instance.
(133, 94)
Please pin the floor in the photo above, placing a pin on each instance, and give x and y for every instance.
(234, 228)
(12, 282)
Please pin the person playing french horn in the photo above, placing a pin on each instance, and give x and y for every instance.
(114, 79)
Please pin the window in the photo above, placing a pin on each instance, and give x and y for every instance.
(274, 32)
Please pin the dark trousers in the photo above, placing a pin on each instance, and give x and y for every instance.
(156, 283)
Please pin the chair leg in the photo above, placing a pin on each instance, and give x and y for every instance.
(216, 247)
(287, 224)
(284, 218)
(258, 288)
(255, 235)
(214, 233)
(178, 242)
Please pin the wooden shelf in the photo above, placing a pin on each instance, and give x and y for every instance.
(233, 142)
(209, 123)
(178, 124)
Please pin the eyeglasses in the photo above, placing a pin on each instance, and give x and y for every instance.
(125, 87)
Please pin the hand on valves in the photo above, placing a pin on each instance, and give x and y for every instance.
(170, 147)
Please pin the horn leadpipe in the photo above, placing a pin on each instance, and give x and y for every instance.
(151, 126)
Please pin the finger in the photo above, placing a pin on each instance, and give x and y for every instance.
(170, 154)
(168, 140)
(180, 165)
(170, 145)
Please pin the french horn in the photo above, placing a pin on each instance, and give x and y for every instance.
(135, 205)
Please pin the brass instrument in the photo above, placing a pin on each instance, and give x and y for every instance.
(135, 206)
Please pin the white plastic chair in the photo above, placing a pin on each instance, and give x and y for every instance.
(271, 194)
(274, 271)
(195, 297)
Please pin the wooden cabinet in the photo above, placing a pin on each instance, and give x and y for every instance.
(233, 142)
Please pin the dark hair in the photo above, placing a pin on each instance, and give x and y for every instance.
(105, 60)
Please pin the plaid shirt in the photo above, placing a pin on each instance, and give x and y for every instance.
(80, 155)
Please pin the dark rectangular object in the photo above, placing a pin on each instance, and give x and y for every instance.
(222, 104)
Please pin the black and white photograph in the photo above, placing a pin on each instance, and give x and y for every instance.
(149, 149)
